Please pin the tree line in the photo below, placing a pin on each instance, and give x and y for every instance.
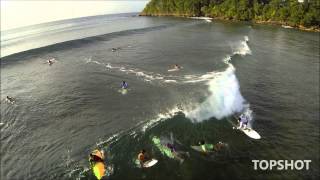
(290, 12)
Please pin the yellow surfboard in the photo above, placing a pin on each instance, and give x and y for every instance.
(99, 170)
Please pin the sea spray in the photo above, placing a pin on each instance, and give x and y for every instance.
(161, 117)
(241, 48)
(224, 99)
(248, 113)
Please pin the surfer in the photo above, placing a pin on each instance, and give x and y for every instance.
(142, 157)
(210, 147)
(171, 147)
(243, 122)
(205, 147)
(219, 146)
(124, 85)
(50, 61)
(180, 155)
(115, 49)
(176, 66)
(10, 99)
(96, 159)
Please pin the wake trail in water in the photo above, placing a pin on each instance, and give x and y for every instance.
(146, 76)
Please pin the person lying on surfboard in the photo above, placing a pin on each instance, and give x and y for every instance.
(210, 147)
(171, 147)
(10, 99)
(115, 49)
(96, 159)
(50, 61)
(142, 157)
(179, 155)
(176, 66)
(243, 122)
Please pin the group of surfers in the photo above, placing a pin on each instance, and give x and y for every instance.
(96, 157)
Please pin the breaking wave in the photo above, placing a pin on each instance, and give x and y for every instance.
(225, 98)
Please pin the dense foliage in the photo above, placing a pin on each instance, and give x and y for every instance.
(289, 12)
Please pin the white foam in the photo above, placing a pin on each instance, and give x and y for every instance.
(161, 117)
(170, 81)
(88, 60)
(147, 76)
(200, 78)
(201, 18)
(241, 48)
(108, 66)
(225, 97)
(246, 38)
(112, 138)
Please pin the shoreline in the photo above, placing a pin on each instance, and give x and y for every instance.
(277, 23)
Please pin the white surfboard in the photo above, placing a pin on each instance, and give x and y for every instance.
(251, 133)
(247, 131)
(147, 164)
(174, 69)
(150, 163)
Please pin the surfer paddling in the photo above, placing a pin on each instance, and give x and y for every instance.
(10, 99)
(176, 66)
(51, 61)
(96, 159)
(142, 157)
(115, 49)
(211, 147)
(179, 155)
(145, 161)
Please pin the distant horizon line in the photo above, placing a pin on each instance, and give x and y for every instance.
(92, 16)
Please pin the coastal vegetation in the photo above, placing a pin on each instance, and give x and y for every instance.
(296, 13)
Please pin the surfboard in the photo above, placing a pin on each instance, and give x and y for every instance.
(163, 149)
(123, 91)
(250, 133)
(150, 163)
(175, 69)
(247, 131)
(99, 170)
(199, 149)
(147, 164)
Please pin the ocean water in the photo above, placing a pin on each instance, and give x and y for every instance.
(64, 111)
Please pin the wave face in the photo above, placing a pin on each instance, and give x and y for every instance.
(225, 98)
